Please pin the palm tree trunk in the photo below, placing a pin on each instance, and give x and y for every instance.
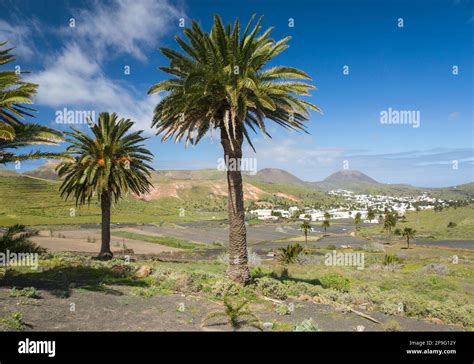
(105, 204)
(238, 269)
(306, 238)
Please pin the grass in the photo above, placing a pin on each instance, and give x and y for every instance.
(162, 240)
(434, 225)
(36, 202)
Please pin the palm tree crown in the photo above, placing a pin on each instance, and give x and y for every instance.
(110, 161)
(107, 165)
(218, 82)
(15, 94)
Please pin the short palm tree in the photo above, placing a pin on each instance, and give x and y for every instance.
(290, 254)
(219, 82)
(408, 233)
(15, 94)
(370, 214)
(237, 314)
(108, 165)
(390, 221)
(357, 220)
(16, 239)
(306, 228)
(325, 224)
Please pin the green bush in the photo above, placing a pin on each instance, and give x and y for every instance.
(271, 288)
(307, 325)
(298, 288)
(391, 325)
(12, 322)
(30, 292)
(225, 287)
(390, 259)
(178, 281)
(282, 310)
(336, 281)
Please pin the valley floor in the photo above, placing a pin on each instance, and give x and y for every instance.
(176, 277)
(116, 310)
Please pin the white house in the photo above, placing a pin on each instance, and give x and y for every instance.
(283, 213)
(264, 214)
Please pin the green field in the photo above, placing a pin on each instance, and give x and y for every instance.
(434, 224)
(32, 201)
(162, 240)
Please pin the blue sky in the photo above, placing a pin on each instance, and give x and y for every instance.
(407, 68)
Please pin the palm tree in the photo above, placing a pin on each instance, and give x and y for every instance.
(390, 221)
(357, 220)
(409, 233)
(370, 214)
(107, 165)
(16, 239)
(15, 94)
(236, 314)
(306, 227)
(219, 82)
(290, 254)
(326, 224)
(381, 218)
(327, 215)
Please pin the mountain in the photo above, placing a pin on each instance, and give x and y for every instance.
(266, 184)
(278, 176)
(45, 171)
(349, 176)
(347, 180)
(4, 172)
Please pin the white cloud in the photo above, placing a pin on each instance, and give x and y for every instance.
(74, 80)
(76, 77)
(298, 151)
(124, 26)
(455, 115)
(18, 36)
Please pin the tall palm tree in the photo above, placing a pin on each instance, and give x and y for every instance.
(306, 228)
(408, 233)
(108, 165)
(15, 94)
(219, 82)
